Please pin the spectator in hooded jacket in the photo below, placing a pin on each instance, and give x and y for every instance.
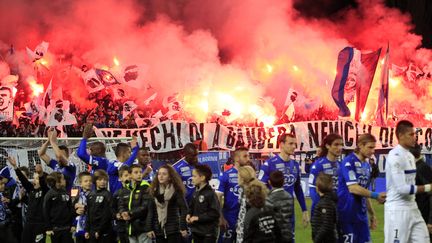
(168, 221)
(324, 218)
(283, 205)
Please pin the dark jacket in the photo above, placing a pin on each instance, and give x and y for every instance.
(205, 205)
(35, 200)
(283, 206)
(99, 212)
(58, 210)
(138, 208)
(176, 216)
(260, 225)
(5, 212)
(120, 197)
(424, 200)
(324, 220)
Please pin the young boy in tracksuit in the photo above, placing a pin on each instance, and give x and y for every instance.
(34, 227)
(99, 210)
(80, 205)
(121, 196)
(204, 208)
(58, 210)
(137, 209)
(324, 217)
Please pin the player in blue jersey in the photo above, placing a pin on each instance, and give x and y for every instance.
(96, 159)
(353, 195)
(144, 160)
(331, 150)
(185, 166)
(62, 163)
(228, 194)
(291, 170)
(124, 157)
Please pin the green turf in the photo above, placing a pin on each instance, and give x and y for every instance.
(305, 236)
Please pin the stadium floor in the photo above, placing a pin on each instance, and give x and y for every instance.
(304, 235)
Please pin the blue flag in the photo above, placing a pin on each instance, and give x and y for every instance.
(338, 91)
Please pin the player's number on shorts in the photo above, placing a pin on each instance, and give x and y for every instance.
(396, 233)
(348, 238)
(228, 234)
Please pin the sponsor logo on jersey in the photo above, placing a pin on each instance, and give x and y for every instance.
(289, 180)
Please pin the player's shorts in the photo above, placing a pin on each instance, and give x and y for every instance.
(229, 235)
(357, 232)
(404, 225)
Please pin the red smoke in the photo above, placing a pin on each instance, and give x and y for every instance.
(244, 50)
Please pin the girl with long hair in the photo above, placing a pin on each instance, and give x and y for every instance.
(168, 220)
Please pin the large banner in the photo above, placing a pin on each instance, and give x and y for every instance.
(173, 135)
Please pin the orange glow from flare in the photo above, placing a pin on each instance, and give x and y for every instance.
(394, 82)
(428, 116)
(116, 61)
(43, 62)
(37, 89)
(233, 104)
(364, 115)
(269, 68)
(295, 68)
(14, 91)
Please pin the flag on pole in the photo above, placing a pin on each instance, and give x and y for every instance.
(382, 107)
(355, 72)
(39, 51)
(150, 99)
(128, 107)
(289, 104)
(366, 74)
(345, 58)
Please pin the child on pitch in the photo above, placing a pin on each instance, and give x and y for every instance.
(121, 196)
(283, 205)
(34, 228)
(168, 221)
(58, 210)
(260, 223)
(80, 204)
(204, 209)
(99, 210)
(137, 208)
(324, 216)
